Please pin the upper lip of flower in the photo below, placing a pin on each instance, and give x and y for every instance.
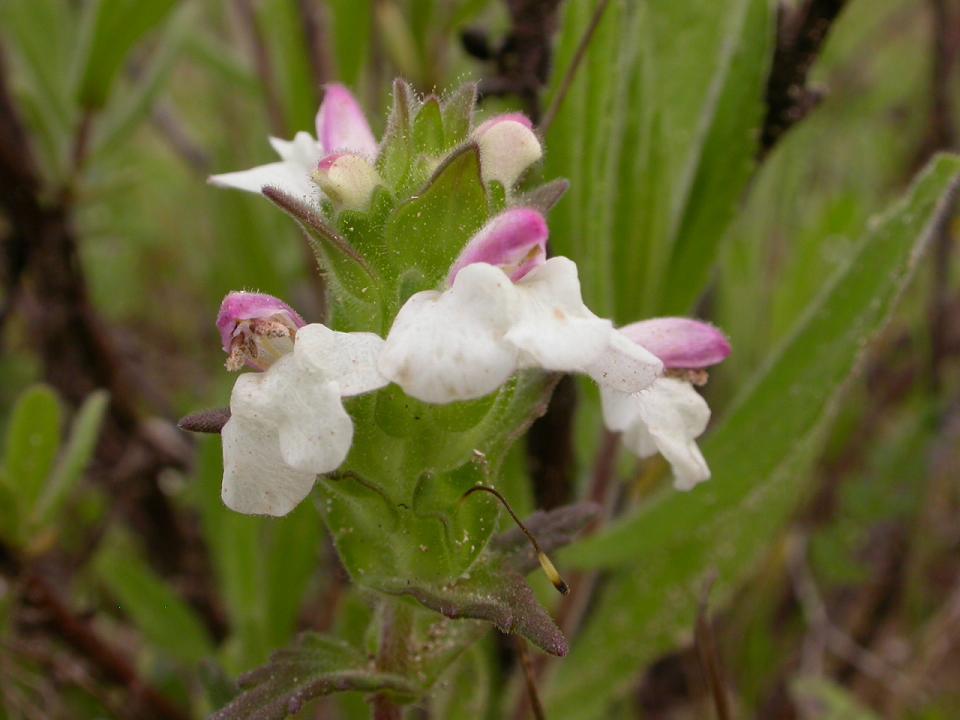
(341, 127)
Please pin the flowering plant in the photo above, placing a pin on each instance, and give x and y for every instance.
(449, 326)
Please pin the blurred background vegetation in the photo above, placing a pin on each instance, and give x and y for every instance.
(725, 158)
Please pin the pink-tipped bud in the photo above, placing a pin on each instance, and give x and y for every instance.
(515, 241)
(256, 329)
(341, 124)
(681, 343)
(508, 146)
(347, 179)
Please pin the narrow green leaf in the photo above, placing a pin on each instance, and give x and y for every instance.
(33, 438)
(830, 700)
(111, 30)
(74, 458)
(726, 160)
(161, 615)
(667, 547)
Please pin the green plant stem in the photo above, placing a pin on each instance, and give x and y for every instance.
(396, 624)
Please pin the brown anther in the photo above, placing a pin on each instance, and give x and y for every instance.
(265, 327)
(238, 355)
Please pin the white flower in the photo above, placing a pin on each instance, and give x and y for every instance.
(665, 417)
(288, 424)
(465, 342)
(341, 127)
(668, 416)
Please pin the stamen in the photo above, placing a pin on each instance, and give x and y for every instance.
(549, 568)
(694, 376)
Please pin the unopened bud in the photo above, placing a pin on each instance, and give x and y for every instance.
(347, 179)
(508, 146)
(515, 241)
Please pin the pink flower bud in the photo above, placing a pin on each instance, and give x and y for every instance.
(341, 124)
(256, 329)
(681, 343)
(515, 241)
(508, 146)
(347, 179)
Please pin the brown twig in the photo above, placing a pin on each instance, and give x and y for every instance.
(941, 136)
(523, 59)
(568, 78)
(529, 676)
(91, 646)
(709, 657)
(314, 23)
(247, 16)
(800, 37)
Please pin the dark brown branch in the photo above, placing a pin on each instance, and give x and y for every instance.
(941, 136)
(568, 78)
(264, 66)
(522, 61)
(800, 37)
(79, 635)
(709, 657)
(314, 22)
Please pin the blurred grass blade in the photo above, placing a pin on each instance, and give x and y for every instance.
(112, 28)
(74, 458)
(165, 620)
(723, 166)
(149, 81)
(352, 21)
(669, 545)
(659, 150)
(33, 438)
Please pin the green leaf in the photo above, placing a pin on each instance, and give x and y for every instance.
(430, 230)
(111, 30)
(166, 621)
(494, 589)
(667, 546)
(352, 21)
(138, 101)
(74, 458)
(314, 666)
(829, 700)
(725, 163)
(658, 148)
(33, 439)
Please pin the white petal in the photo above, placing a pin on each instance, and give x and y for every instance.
(303, 403)
(624, 365)
(303, 150)
(348, 358)
(667, 417)
(553, 328)
(256, 481)
(287, 176)
(450, 346)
